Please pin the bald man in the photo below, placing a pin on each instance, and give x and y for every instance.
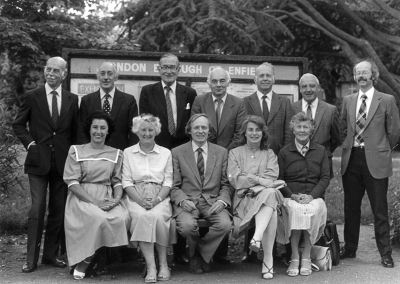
(325, 116)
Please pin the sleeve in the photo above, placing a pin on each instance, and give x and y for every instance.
(288, 117)
(324, 177)
(392, 123)
(72, 170)
(143, 101)
(117, 172)
(225, 193)
(132, 112)
(238, 126)
(74, 122)
(177, 194)
(22, 118)
(196, 106)
(168, 172)
(83, 113)
(127, 179)
(286, 192)
(343, 121)
(237, 178)
(272, 168)
(335, 131)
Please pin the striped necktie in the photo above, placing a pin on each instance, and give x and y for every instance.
(200, 164)
(309, 112)
(170, 114)
(54, 108)
(361, 119)
(265, 108)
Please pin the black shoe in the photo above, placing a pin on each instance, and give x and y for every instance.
(182, 259)
(195, 265)
(344, 253)
(28, 268)
(387, 261)
(204, 265)
(56, 262)
(222, 260)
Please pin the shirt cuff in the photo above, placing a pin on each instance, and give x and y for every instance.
(115, 185)
(30, 144)
(72, 183)
(223, 202)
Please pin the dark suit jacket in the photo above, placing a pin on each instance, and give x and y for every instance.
(187, 183)
(152, 100)
(233, 114)
(35, 112)
(307, 174)
(280, 114)
(381, 132)
(124, 109)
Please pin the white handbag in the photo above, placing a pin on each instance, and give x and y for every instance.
(321, 258)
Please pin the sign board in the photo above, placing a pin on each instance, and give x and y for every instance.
(137, 69)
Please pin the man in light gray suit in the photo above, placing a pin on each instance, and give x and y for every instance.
(325, 116)
(370, 131)
(201, 190)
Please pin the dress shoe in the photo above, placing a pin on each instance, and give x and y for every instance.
(195, 265)
(222, 260)
(387, 261)
(182, 259)
(344, 253)
(28, 268)
(56, 262)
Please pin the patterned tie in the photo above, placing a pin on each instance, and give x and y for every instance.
(200, 164)
(265, 108)
(106, 105)
(170, 114)
(304, 150)
(218, 112)
(309, 112)
(54, 108)
(361, 119)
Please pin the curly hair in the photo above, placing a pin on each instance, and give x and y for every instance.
(301, 117)
(146, 117)
(260, 124)
(99, 114)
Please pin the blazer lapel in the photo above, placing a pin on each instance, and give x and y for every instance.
(352, 110)
(275, 105)
(226, 114)
(319, 113)
(96, 103)
(180, 103)
(66, 102)
(255, 104)
(297, 106)
(376, 100)
(210, 110)
(211, 159)
(116, 104)
(44, 105)
(191, 161)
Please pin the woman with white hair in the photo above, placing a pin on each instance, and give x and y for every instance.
(147, 179)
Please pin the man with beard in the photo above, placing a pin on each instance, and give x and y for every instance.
(325, 116)
(370, 131)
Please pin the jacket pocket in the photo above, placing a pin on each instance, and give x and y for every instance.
(33, 156)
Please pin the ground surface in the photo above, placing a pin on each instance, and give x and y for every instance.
(364, 269)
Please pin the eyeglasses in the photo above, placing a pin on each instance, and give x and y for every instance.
(362, 73)
(215, 82)
(171, 68)
(55, 71)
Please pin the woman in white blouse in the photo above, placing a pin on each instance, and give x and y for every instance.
(147, 179)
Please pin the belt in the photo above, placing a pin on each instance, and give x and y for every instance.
(359, 148)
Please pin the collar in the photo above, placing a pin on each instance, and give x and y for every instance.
(314, 103)
(260, 95)
(173, 86)
(223, 98)
(300, 146)
(369, 94)
(204, 147)
(49, 89)
(111, 93)
(136, 149)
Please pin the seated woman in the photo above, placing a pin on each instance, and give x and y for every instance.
(94, 216)
(252, 170)
(304, 166)
(147, 179)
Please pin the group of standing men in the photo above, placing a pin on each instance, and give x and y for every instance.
(50, 121)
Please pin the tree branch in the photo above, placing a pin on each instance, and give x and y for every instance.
(389, 10)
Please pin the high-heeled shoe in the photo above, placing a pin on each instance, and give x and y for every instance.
(80, 275)
(305, 271)
(255, 245)
(164, 274)
(292, 272)
(269, 272)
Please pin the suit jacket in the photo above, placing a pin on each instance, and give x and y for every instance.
(232, 116)
(381, 132)
(187, 183)
(152, 100)
(280, 114)
(327, 128)
(35, 111)
(124, 109)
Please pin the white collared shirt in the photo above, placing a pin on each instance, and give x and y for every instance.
(172, 96)
(205, 151)
(314, 104)
(103, 97)
(300, 146)
(369, 94)
(49, 97)
(268, 99)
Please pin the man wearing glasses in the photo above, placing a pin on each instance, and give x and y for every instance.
(170, 102)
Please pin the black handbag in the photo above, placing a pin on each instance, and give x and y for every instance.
(330, 239)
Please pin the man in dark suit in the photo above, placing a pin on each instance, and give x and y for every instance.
(226, 112)
(325, 116)
(201, 190)
(121, 106)
(275, 110)
(45, 124)
(170, 102)
(370, 131)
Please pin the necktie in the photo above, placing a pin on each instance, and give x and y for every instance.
(106, 105)
(200, 164)
(304, 150)
(361, 119)
(309, 112)
(218, 112)
(54, 108)
(170, 114)
(265, 109)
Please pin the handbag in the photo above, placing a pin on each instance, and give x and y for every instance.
(330, 239)
(320, 258)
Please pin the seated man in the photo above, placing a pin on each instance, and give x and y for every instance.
(201, 190)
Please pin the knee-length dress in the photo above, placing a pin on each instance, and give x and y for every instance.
(87, 227)
(147, 173)
(242, 162)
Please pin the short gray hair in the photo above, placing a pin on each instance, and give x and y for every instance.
(301, 117)
(146, 117)
(268, 65)
(108, 62)
(308, 74)
(218, 68)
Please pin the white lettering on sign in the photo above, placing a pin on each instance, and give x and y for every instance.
(191, 69)
(242, 70)
(135, 67)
